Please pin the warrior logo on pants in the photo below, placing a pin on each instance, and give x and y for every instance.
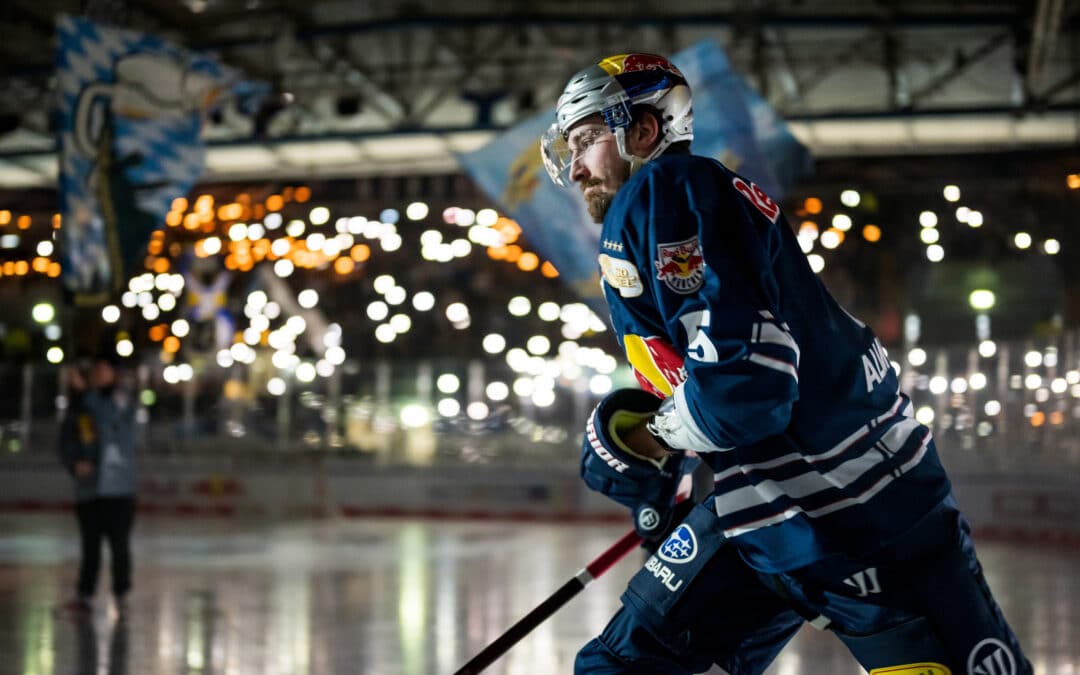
(991, 657)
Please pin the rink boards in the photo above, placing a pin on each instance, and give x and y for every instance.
(1044, 506)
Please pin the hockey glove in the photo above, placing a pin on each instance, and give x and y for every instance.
(647, 486)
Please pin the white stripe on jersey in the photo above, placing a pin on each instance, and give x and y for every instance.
(831, 452)
(813, 482)
(775, 364)
(835, 506)
(770, 333)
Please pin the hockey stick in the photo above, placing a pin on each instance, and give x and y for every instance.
(504, 642)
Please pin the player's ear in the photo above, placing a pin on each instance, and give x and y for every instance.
(644, 134)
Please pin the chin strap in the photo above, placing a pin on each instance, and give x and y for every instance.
(635, 161)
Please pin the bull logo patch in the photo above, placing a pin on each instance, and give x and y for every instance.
(680, 266)
(680, 546)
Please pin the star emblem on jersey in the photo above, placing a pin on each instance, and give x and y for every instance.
(680, 546)
(680, 265)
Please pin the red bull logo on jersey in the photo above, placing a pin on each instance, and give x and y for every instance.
(657, 366)
(680, 266)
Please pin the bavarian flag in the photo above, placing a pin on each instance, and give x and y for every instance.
(131, 111)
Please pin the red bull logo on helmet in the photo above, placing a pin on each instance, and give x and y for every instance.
(630, 63)
(680, 266)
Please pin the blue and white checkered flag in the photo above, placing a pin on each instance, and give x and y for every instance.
(131, 107)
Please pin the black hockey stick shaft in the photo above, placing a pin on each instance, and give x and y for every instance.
(504, 642)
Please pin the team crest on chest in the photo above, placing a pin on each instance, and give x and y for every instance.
(680, 265)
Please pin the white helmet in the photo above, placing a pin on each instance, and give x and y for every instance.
(612, 87)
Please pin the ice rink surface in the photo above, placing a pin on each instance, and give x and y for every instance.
(390, 597)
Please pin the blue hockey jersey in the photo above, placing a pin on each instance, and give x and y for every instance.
(791, 400)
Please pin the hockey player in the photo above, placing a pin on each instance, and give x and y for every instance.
(830, 503)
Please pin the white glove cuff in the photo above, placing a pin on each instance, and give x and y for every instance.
(674, 426)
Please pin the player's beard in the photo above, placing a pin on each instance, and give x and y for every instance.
(599, 201)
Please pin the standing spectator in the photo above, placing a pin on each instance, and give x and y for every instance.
(97, 447)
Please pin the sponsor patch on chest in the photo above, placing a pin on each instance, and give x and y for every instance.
(621, 275)
(680, 265)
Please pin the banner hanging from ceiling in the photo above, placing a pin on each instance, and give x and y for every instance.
(131, 111)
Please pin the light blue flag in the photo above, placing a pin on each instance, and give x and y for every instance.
(732, 123)
(131, 108)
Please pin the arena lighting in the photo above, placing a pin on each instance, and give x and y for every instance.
(319, 215)
(401, 323)
(391, 242)
(850, 198)
(981, 299)
(548, 311)
(497, 391)
(110, 313)
(817, 263)
(283, 268)
(275, 386)
(1033, 359)
(416, 211)
(935, 253)
(930, 235)
(928, 219)
(423, 301)
(494, 343)
(543, 398)
(477, 410)
(938, 385)
(45, 248)
(519, 305)
(1022, 240)
(125, 347)
(539, 345)
(830, 238)
(600, 384)
(43, 312)
(54, 355)
(449, 407)
(396, 295)
(975, 219)
(925, 415)
(842, 222)
(987, 348)
(951, 193)
(414, 415)
(1051, 247)
(448, 383)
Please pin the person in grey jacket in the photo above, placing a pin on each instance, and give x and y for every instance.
(97, 447)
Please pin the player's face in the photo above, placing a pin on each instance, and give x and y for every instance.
(596, 166)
